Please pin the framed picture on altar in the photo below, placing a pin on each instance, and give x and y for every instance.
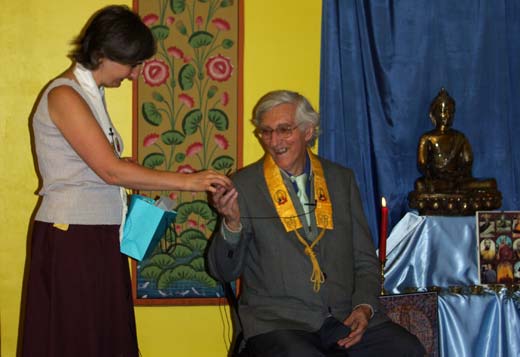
(187, 117)
(498, 244)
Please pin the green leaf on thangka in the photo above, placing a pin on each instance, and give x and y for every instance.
(181, 251)
(219, 119)
(223, 162)
(171, 276)
(180, 157)
(227, 44)
(181, 27)
(212, 91)
(198, 264)
(184, 272)
(191, 121)
(160, 32)
(172, 137)
(194, 239)
(189, 234)
(153, 160)
(205, 279)
(198, 245)
(200, 39)
(151, 272)
(177, 6)
(162, 260)
(151, 114)
(186, 75)
(212, 224)
(158, 97)
(198, 207)
(226, 3)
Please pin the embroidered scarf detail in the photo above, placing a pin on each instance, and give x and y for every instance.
(283, 203)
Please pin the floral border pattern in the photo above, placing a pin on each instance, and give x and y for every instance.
(187, 106)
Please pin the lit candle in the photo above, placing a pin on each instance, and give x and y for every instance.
(383, 231)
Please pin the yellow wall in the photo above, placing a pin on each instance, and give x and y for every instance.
(282, 40)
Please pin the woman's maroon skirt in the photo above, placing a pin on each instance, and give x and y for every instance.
(79, 299)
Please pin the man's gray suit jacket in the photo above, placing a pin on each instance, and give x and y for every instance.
(274, 271)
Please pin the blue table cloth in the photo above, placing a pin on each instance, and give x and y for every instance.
(436, 251)
(425, 251)
(479, 325)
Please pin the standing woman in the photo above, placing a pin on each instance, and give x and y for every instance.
(79, 300)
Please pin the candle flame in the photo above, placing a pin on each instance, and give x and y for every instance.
(383, 202)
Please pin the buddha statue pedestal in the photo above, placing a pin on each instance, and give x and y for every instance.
(454, 204)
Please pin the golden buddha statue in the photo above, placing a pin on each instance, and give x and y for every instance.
(445, 159)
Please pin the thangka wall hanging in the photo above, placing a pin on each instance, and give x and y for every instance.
(187, 118)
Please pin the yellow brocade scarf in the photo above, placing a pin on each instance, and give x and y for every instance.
(290, 218)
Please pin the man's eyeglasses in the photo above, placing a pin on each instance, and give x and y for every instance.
(283, 131)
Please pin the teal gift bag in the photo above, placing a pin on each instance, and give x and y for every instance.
(145, 225)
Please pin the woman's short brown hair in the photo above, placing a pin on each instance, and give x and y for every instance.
(114, 32)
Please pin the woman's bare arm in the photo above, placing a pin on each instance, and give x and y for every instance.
(73, 117)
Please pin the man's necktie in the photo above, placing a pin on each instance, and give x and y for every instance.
(301, 183)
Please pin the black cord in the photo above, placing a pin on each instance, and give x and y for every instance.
(233, 303)
(280, 217)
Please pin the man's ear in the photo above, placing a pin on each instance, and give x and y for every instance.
(309, 132)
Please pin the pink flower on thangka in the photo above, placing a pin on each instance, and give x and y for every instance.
(170, 20)
(150, 139)
(173, 196)
(155, 72)
(192, 223)
(194, 149)
(178, 228)
(221, 24)
(219, 68)
(202, 226)
(224, 98)
(175, 52)
(221, 141)
(150, 19)
(187, 59)
(199, 21)
(185, 169)
(186, 100)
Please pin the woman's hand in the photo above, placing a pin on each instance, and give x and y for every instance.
(207, 180)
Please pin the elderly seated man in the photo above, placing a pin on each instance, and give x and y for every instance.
(294, 231)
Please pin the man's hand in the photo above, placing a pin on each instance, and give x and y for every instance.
(358, 323)
(226, 203)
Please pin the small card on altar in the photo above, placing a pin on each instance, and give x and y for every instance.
(498, 242)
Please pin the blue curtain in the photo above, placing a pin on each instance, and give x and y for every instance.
(383, 62)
